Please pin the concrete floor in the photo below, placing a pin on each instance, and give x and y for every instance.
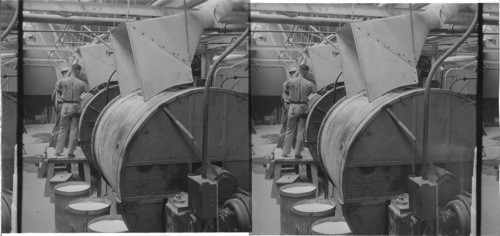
(265, 211)
(490, 200)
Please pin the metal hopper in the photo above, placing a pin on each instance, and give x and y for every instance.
(156, 54)
(380, 55)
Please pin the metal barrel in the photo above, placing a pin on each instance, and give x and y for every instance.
(334, 225)
(107, 224)
(317, 112)
(82, 210)
(368, 150)
(145, 149)
(306, 212)
(64, 193)
(92, 105)
(6, 212)
(289, 194)
(8, 132)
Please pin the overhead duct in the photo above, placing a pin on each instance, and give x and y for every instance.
(380, 55)
(156, 54)
(99, 63)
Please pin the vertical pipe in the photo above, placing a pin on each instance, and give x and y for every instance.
(479, 117)
(20, 114)
(427, 94)
(208, 83)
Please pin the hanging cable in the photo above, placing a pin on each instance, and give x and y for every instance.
(208, 83)
(11, 25)
(412, 32)
(186, 25)
(427, 93)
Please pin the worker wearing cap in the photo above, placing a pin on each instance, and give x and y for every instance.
(297, 91)
(56, 99)
(286, 103)
(70, 88)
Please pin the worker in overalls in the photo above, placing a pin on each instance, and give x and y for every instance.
(70, 89)
(297, 91)
(286, 103)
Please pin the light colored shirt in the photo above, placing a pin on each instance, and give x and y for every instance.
(298, 89)
(71, 88)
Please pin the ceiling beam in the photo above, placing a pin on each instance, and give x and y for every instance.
(77, 20)
(46, 48)
(329, 9)
(299, 20)
(97, 8)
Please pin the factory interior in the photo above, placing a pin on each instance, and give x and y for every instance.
(183, 114)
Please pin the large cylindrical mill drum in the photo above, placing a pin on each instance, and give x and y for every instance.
(92, 105)
(306, 212)
(334, 225)
(108, 224)
(63, 194)
(82, 210)
(290, 194)
(369, 157)
(317, 112)
(144, 149)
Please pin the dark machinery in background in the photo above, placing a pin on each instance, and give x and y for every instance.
(93, 103)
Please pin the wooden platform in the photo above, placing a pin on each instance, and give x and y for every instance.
(51, 160)
(278, 162)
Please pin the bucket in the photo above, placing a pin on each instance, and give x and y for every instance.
(64, 193)
(289, 194)
(82, 210)
(107, 224)
(6, 212)
(334, 225)
(306, 212)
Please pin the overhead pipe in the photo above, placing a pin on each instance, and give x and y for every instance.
(206, 92)
(11, 25)
(299, 20)
(427, 93)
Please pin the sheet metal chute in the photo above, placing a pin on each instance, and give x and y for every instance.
(380, 55)
(149, 51)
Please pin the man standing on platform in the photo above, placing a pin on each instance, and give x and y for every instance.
(298, 90)
(70, 88)
(286, 103)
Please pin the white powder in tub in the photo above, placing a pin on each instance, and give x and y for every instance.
(299, 189)
(108, 226)
(88, 206)
(331, 227)
(312, 207)
(73, 188)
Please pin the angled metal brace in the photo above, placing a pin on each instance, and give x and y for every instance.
(409, 135)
